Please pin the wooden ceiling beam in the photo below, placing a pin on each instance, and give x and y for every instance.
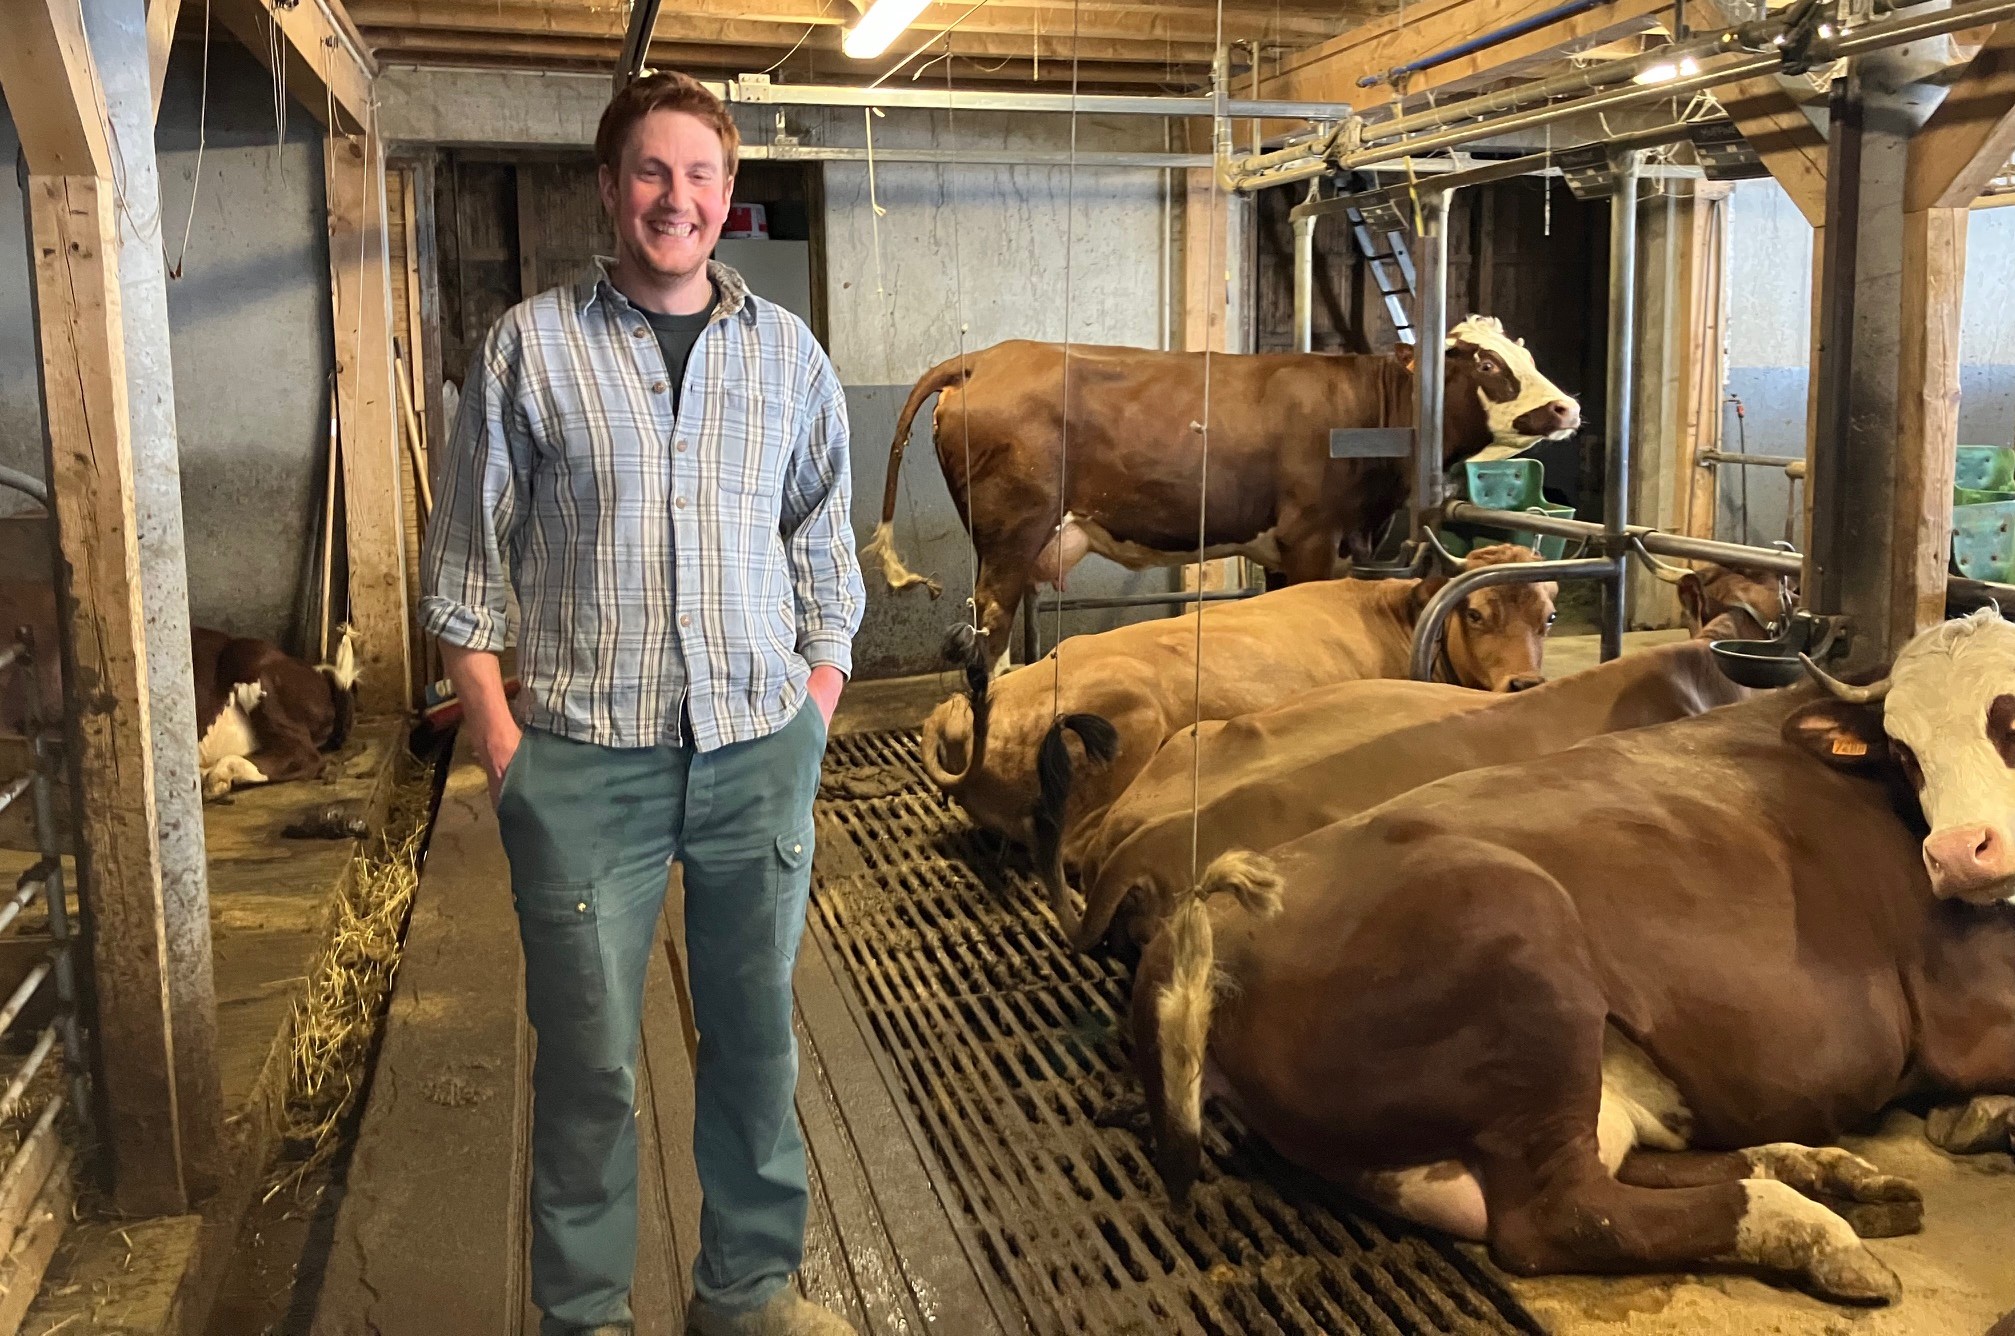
(722, 21)
(1968, 140)
(161, 15)
(325, 59)
(52, 91)
(717, 47)
(594, 55)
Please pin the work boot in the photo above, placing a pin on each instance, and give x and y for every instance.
(788, 1314)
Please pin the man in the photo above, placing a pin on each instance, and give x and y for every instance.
(656, 460)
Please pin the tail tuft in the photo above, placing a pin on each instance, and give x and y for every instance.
(882, 548)
(1250, 877)
(1053, 784)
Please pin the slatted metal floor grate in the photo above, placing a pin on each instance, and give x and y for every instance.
(1006, 1045)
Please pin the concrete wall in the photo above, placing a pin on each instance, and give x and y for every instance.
(251, 342)
(1769, 338)
(994, 247)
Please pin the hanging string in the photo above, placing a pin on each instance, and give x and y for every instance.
(202, 136)
(945, 198)
(1063, 434)
(1203, 497)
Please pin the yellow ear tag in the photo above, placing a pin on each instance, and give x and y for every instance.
(1845, 746)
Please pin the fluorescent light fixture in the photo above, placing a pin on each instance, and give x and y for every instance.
(1666, 71)
(879, 26)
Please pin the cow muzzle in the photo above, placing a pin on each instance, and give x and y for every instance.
(1524, 682)
(1973, 862)
(1552, 419)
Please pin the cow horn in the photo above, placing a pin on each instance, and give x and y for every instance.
(1840, 690)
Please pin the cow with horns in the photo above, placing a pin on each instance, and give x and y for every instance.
(1612, 1025)
(1133, 436)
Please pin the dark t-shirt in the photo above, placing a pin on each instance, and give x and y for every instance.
(676, 336)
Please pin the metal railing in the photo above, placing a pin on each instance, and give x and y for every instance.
(57, 968)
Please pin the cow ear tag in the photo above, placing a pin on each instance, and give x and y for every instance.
(1844, 745)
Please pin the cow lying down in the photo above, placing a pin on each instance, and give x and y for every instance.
(1603, 1025)
(262, 716)
(1123, 692)
(1272, 777)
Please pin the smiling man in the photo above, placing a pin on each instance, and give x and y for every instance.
(656, 460)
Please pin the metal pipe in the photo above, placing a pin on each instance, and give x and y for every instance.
(24, 895)
(14, 651)
(57, 901)
(15, 788)
(759, 91)
(1622, 355)
(1304, 278)
(1776, 561)
(1495, 37)
(1792, 464)
(24, 482)
(1430, 358)
(1174, 598)
(1427, 631)
(1285, 166)
(995, 157)
(636, 43)
(24, 991)
(10, 1099)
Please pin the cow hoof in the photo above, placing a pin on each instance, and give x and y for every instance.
(1878, 1205)
(1876, 1219)
(1984, 1123)
(1855, 1276)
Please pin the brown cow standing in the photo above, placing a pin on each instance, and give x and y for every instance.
(1001, 751)
(1272, 777)
(1602, 1025)
(1721, 603)
(1136, 451)
(262, 715)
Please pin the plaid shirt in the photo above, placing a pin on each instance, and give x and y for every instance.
(702, 561)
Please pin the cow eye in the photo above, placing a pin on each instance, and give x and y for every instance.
(1474, 616)
(1552, 617)
(2001, 728)
(1487, 365)
(1908, 760)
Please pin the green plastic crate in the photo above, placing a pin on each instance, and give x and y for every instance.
(1506, 484)
(1983, 540)
(1550, 547)
(1986, 468)
(1967, 496)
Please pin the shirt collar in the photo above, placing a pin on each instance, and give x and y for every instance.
(731, 293)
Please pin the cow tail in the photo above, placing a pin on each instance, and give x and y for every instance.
(1053, 784)
(1183, 1006)
(342, 675)
(882, 546)
(963, 648)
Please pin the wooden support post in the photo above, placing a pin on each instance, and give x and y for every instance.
(1209, 318)
(360, 282)
(161, 16)
(149, 928)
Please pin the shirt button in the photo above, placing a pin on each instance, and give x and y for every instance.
(685, 621)
(638, 331)
(680, 502)
(657, 387)
(797, 848)
(682, 447)
(581, 908)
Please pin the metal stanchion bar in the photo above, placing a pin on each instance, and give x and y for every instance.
(1427, 631)
(17, 650)
(1622, 371)
(15, 788)
(26, 990)
(22, 898)
(1174, 596)
(10, 1099)
(1775, 561)
(1786, 462)
(74, 1060)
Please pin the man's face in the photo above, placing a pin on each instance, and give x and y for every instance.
(669, 194)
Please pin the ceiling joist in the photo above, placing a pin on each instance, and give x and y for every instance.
(324, 59)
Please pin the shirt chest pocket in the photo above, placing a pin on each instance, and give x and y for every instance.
(755, 434)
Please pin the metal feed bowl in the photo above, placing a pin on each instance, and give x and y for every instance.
(1766, 664)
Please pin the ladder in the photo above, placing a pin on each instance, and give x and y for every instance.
(1391, 269)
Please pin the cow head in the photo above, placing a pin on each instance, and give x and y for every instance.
(1496, 639)
(1945, 716)
(1723, 604)
(1497, 402)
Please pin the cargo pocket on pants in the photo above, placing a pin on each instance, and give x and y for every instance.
(787, 876)
(565, 983)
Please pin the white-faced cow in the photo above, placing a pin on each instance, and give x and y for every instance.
(1001, 749)
(1603, 1025)
(1135, 447)
(262, 715)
